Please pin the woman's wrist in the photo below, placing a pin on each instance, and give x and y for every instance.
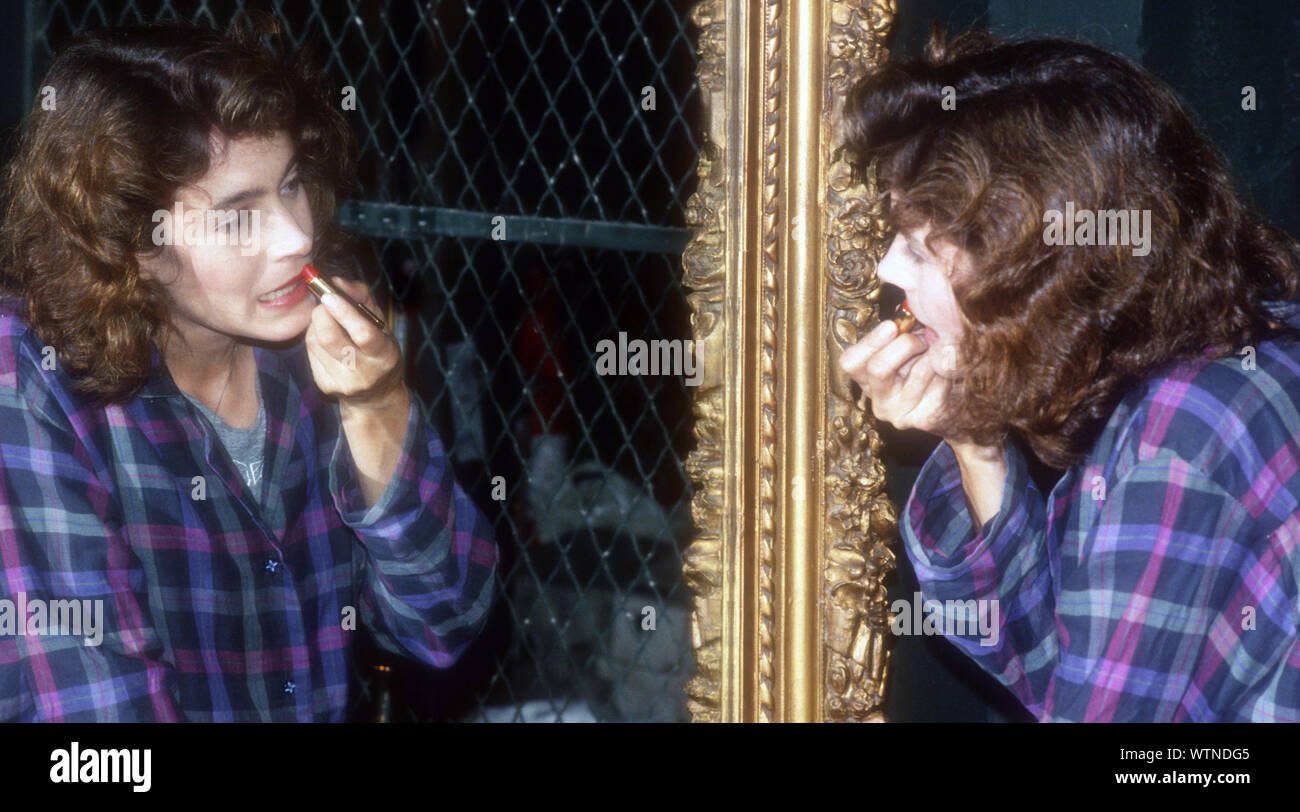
(376, 434)
(974, 452)
(983, 476)
(394, 402)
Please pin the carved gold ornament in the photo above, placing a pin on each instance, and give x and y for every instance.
(792, 523)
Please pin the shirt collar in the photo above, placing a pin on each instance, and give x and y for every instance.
(160, 383)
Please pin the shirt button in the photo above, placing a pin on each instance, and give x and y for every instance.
(290, 687)
(272, 566)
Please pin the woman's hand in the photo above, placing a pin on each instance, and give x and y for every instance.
(906, 392)
(350, 357)
(904, 389)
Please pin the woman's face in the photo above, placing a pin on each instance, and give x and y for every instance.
(250, 236)
(926, 282)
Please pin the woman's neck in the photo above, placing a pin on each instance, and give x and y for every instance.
(221, 374)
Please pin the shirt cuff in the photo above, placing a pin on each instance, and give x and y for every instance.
(347, 491)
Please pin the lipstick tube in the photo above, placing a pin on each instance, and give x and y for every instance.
(904, 319)
(317, 285)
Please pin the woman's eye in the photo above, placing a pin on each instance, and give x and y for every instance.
(293, 186)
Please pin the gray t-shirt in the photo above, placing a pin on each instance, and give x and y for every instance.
(247, 447)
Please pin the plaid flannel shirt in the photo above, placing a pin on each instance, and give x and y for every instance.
(1158, 582)
(215, 608)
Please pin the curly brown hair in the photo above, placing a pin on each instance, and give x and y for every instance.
(134, 112)
(1058, 334)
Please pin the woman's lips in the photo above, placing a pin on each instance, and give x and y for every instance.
(283, 287)
(286, 297)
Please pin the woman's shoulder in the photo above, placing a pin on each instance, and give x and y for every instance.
(31, 378)
(20, 349)
(12, 326)
(1236, 418)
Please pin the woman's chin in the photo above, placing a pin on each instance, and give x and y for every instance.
(276, 331)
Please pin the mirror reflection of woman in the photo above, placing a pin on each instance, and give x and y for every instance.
(1158, 579)
(237, 475)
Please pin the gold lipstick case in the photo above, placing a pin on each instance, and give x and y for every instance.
(904, 319)
(320, 287)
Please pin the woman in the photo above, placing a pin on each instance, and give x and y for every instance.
(195, 457)
(1157, 365)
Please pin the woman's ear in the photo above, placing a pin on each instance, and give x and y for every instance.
(957, 266)
(162, 265)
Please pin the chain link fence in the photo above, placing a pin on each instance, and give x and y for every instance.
(524, 169)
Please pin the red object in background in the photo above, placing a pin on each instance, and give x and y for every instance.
(543, 355)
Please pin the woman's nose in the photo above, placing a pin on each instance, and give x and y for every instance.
(890, 270)
(285, 236)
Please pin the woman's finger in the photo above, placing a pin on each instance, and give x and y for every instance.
(359, 291)
(903, 401)
(358, 328)
(329, 334)
(931, 402)
(883, 367)
(853, 357)
(915, 382)
(906, 368)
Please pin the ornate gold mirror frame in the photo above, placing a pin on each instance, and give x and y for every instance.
(793, 527)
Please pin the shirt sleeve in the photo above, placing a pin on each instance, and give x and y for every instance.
(62, 550)
(429, 565)
(1131, 633)
(1003, 561)
(1156, 603)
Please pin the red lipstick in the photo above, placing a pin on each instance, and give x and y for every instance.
(317, 285)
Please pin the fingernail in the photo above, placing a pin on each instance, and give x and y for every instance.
(330, 300)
